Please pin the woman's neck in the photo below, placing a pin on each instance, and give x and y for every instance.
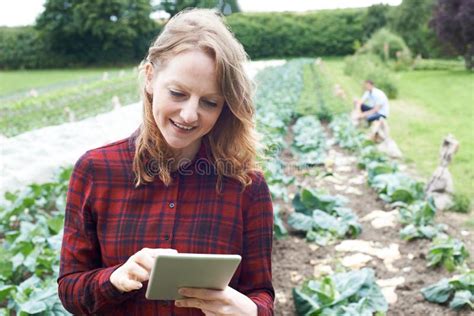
(185, 155)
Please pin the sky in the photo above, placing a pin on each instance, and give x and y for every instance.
(24, 12)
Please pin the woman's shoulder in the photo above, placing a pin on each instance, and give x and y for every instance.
(257, 195)
(114, 150)
(116, 155)
(257, 177)
(258, 183)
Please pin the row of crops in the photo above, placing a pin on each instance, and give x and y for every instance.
(417, 216)
(323, 218)
(31, 222)
(76, 100)
(31, 233)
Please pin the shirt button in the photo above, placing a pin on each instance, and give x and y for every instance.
(167, 237)
(171, 205)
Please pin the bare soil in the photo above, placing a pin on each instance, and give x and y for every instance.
(294, 259)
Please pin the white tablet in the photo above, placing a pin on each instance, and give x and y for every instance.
(174, 271)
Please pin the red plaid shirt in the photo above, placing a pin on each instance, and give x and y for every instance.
(108, 220)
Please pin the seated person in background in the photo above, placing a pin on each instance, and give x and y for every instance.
(373, 105)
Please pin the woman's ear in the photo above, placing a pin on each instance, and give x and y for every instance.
(149, 73)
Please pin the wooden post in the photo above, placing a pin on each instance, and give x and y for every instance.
(440, 186)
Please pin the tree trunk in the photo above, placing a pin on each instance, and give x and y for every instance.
(469, 57)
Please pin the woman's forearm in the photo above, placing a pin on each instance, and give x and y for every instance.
(89, 292)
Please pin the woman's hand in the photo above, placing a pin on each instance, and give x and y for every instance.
(131, 274)
(215, 302)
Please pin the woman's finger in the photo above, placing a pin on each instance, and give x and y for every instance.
(215, 307)
(204, 294)
(137, 272)
(156, 251)
(194, 303)
(129, 285)
(144, 259)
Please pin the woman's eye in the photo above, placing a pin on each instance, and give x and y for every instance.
(176, 93)
(210, 103)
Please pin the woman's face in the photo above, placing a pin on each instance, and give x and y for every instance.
(186, 99)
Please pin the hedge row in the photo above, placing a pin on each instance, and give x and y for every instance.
(264, 35)
(21, 47)
(281, 35)
(24, 48)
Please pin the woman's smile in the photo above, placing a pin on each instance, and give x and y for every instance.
(182, 128)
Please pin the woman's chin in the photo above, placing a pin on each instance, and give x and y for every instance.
(177, 143)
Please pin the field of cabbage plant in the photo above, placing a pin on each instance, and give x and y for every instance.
(354, 233)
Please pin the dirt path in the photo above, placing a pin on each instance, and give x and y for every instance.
(295, 260)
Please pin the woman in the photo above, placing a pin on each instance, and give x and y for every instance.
(185, 181)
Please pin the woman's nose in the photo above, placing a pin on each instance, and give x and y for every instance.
(189, 112)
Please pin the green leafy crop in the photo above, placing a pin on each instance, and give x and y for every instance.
(419, 220)
(448, 252)
(309, 142)
(31, 225)
(323, 217)
(459, 291)
(349, 293)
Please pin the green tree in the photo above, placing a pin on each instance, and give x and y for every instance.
(174, 6)
(410, 19)
(97, 31)
(375, 19)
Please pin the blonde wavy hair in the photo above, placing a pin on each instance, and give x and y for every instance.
(232, 141)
